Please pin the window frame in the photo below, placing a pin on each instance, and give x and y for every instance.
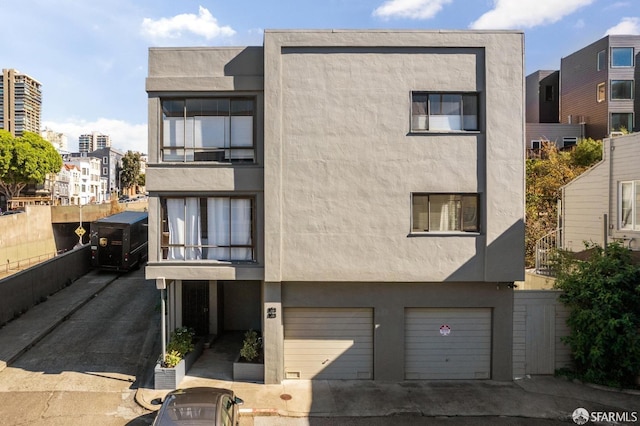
(631, 56)
(569, 141)
(165, 247)
(601, 92)
(612, 91)
(461, 228)
(601, 61)
(219, 153)
(427, 109)
(632, 210)
(534, 142)
(629, 128)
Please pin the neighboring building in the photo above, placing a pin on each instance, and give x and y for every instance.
(93, 141)
(87, 187)
(20, 103)
(542, 113)
(111, 164)
(57, 139)
(602, 205)
(345, 193)
(61, 188)
(599, 84)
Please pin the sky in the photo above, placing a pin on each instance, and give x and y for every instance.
(90, 56)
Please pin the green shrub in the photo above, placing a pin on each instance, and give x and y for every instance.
(180, 344)
(251, 347)
(603, 294)
(171, 359)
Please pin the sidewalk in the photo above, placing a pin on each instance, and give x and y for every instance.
(542, 397)
(19, 335)
(532, 397)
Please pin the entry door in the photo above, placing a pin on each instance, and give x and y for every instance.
(195, 306)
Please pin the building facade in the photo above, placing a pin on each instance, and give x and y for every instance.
(599, 85)
(20, 103)
(602, 205)
(110, 167)
(345, 193)
(92, 141)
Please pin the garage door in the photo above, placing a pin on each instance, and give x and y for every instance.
(324, 343)
(447, 343)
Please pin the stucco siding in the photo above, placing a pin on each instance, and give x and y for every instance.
(341, 168)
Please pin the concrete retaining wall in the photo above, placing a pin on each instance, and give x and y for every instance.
(23, 290)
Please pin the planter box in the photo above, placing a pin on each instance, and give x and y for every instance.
(170, 378)
(248, 371)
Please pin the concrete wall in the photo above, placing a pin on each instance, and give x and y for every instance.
(23, 290)
(26, 235)
(340, 170)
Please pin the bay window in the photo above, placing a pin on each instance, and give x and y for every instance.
(444, 111)
(208, 129)
(629, 205)
(208, 228)
(445, 213)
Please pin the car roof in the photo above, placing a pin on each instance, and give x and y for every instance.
(189, 405)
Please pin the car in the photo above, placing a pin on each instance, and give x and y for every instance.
(199, 405)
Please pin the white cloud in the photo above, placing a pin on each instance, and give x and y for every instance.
(508, 14)
(628, 26)
(412, 9)
(124, 136)
(204, 25)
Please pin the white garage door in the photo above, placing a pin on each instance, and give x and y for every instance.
(327, 343)
(447, 343)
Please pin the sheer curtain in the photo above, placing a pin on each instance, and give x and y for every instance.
(218, 228)
(184, 229)
(241, 228)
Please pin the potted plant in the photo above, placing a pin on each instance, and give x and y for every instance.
(249, 365)
(182, 352)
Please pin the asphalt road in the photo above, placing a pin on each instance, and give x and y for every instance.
(84, 371)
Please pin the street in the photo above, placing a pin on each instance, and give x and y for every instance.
(83, 372)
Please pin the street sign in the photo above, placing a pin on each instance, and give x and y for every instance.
(80, 231)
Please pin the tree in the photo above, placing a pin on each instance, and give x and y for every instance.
(24, 160)
(545, 177)
(130, 169)
(603, 294)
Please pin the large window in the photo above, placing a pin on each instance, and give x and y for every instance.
(622, 56)
(621, 89)
(208, 228)
(208, 129)
(444, 111)
(629, 205)
(621, 121)
(444, 213)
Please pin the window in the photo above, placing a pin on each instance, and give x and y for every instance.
(601, 93)
(621, 121)
(622, 56)
(208, 129)
(535, 144)
(569, 141)
(621, 89)
(602, 60)
(211, 228)
(444, 111)
(629, 205)
(105, 160)
(548, 93)
(444, 213)
(105, 171)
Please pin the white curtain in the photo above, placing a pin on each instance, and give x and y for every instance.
(241, 228)
(175, 216)
(218, 228)
(211, 132)
(184, 228)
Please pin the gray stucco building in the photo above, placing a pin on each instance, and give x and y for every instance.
(357, 196)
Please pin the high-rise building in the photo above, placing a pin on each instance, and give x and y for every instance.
(94, 140)
(20, 103)
(57, 139)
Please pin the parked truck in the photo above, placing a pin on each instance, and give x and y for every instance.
(120, 241)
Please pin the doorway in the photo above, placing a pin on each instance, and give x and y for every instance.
(195, 306)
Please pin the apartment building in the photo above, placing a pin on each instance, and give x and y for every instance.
(20, 103)
(356, 196)
(598, 86)
(90, 142)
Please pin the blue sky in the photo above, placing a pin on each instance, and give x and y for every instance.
(91, 55)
